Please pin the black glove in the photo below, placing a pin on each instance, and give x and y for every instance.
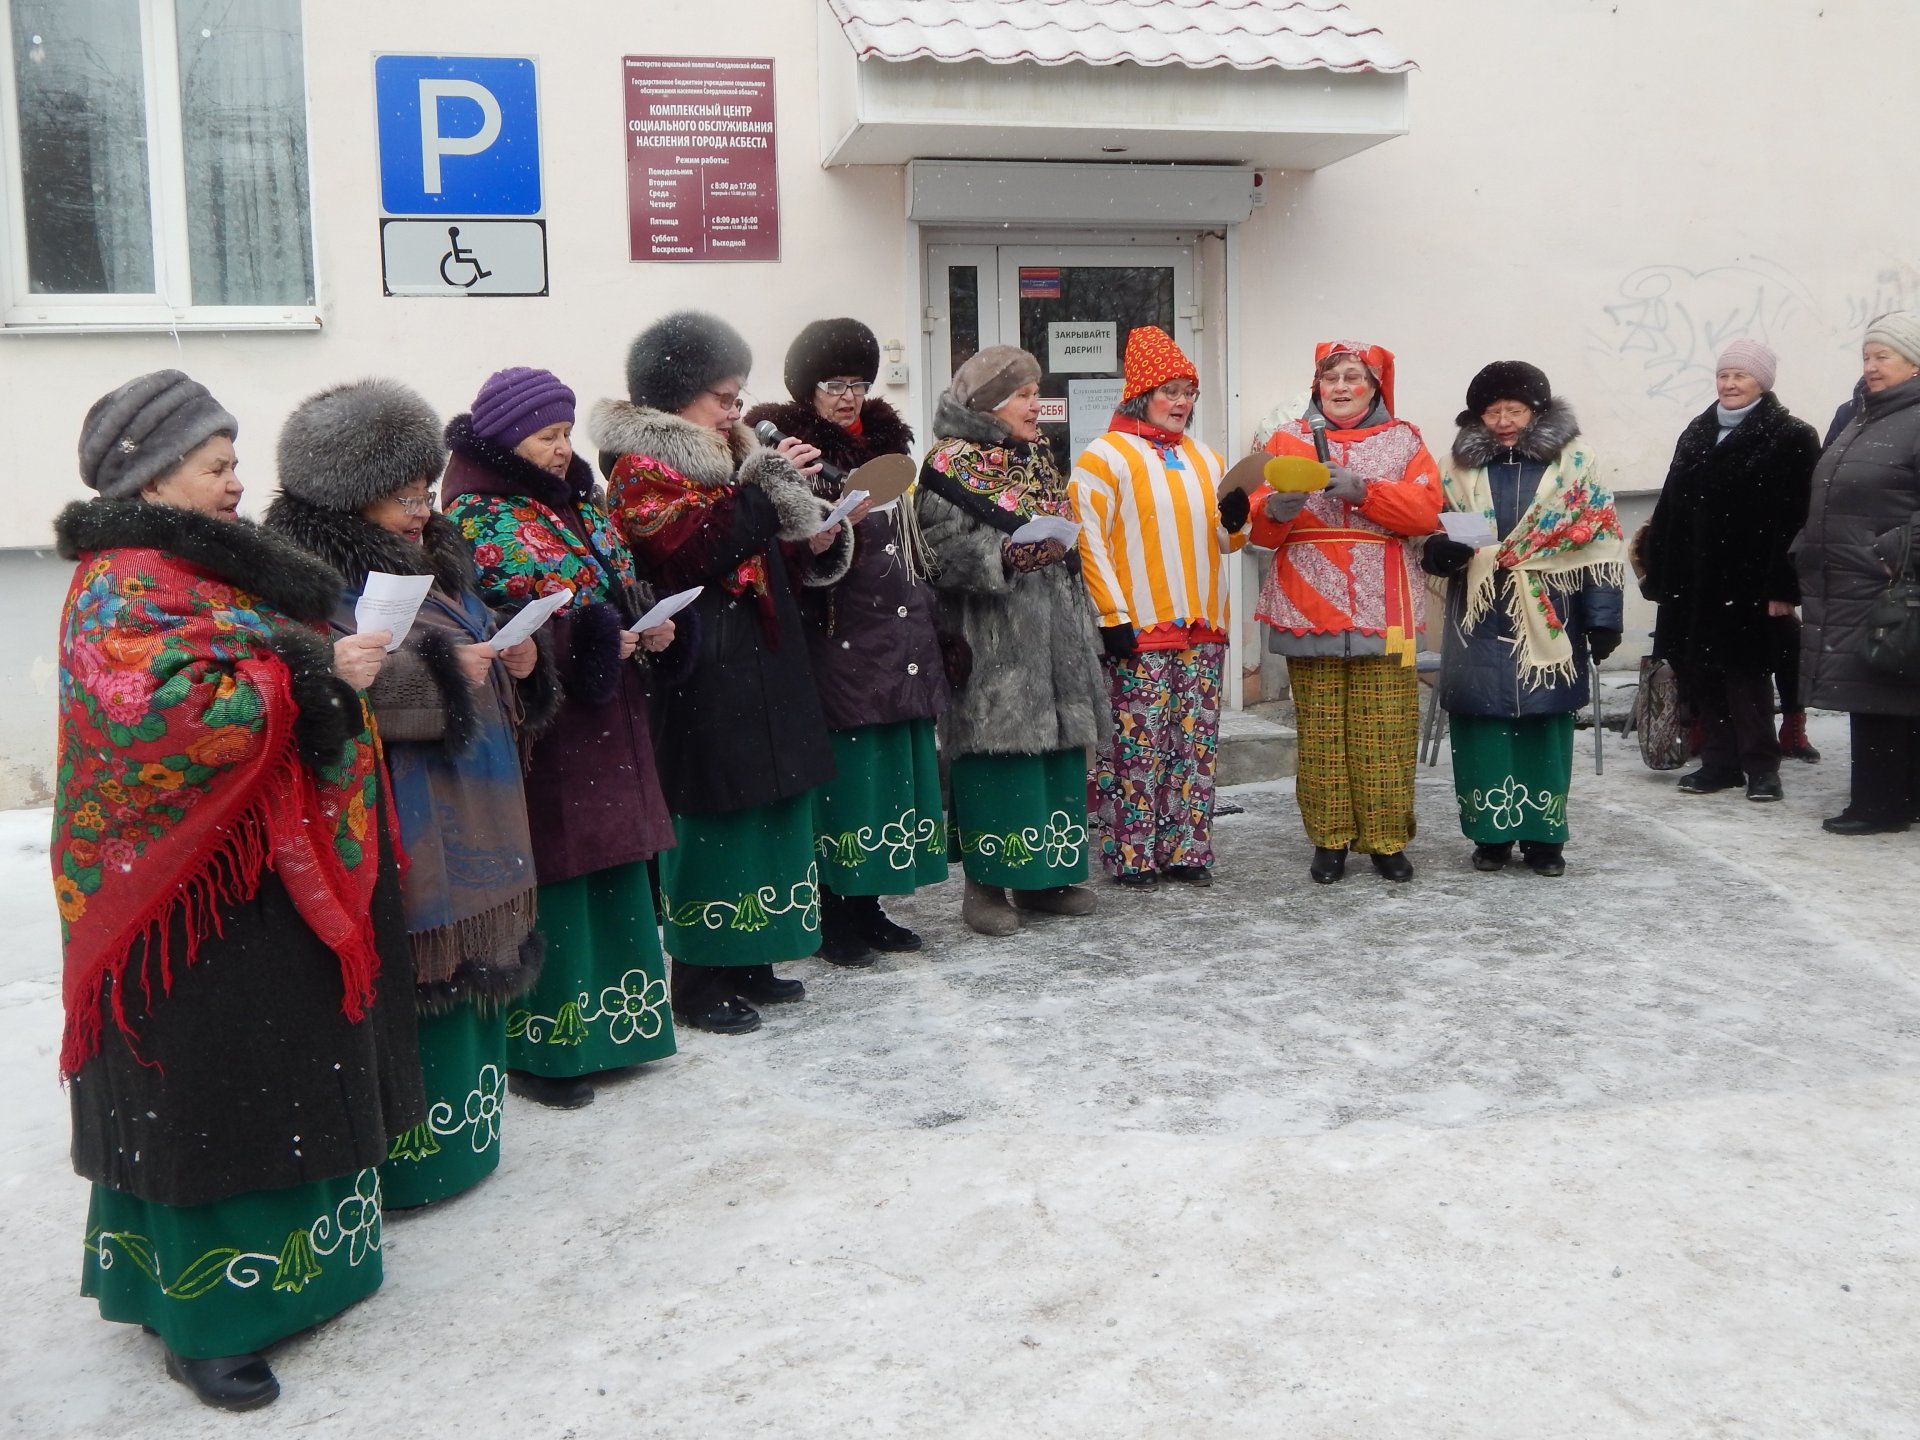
(1234, 507)
(956, 658)
(1119, 641)
(1602, 643)
(1444, 557)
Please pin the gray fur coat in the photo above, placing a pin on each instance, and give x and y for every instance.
(1036, 684)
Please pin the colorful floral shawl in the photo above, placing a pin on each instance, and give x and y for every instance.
(1019, 479)
(1568, 536)
(179, 781)
(659, 508)
(525, 548)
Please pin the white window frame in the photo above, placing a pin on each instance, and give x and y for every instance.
(170, 306)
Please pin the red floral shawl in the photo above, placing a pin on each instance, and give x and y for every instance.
(179, 780)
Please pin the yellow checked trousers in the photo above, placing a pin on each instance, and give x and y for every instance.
(1359, 723)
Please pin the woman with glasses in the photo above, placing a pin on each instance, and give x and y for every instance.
(447, 706)
(1153, 547)
(1345, 604)
(879, 828)
(528, 507)
(743, 743)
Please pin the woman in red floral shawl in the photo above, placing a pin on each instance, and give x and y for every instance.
(239, 1029)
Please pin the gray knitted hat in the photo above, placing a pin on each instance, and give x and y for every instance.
(989, 378)
(1898, 330)
(145, 428)
(352, 445)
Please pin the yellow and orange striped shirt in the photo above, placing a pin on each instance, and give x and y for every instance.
(1151, 546)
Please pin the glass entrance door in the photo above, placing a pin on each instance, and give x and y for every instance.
(1070, 306)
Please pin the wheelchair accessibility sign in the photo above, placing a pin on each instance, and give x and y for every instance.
(464, 257)
(461, 192)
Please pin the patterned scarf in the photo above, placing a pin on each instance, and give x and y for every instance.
(1019, 478)
(180, 780)
(659, 509)
(1568, 536)
(523, 548)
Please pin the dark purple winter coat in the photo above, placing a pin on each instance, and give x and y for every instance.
(876, 659)
(593, 793)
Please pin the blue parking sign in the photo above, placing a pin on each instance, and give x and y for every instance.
(459, 135)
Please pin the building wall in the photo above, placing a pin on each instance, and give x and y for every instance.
(1610, 188)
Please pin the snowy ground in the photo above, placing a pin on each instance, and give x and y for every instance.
(1631, 1153)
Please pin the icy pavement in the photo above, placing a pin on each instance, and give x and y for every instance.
(1630, 1153)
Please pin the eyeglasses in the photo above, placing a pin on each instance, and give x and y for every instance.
(1179, 390)
(415, 504)
(735, 401)
(844, 387)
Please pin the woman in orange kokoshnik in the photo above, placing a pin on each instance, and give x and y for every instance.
(1343, 603)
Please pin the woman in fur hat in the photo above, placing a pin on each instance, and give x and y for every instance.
(1154, 537)
(528, 507)
(1525, 614)
(743, 743)
(1715, 556)
(239, 1037)
(358, 464)
(879, 827)
(1343, 604)
(1017, 732)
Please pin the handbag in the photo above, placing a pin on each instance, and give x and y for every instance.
(1660, 718)
(1893, 622)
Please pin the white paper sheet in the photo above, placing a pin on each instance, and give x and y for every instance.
(531, 618)
(666, 609)
(1464, 528)
(1047, 527)
(389, 602)
(842, 510)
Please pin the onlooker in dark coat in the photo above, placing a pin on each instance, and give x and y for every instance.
(878, 824)
(1717, 564)
(1862, 525)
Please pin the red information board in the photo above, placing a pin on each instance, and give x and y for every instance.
(702, 181)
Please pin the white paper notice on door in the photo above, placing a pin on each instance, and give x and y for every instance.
(1082, 347)
(1090, 407)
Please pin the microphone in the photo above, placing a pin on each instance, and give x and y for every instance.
(771, 436)
(1319, 428)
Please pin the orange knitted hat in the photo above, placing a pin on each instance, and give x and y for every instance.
(1152, 360)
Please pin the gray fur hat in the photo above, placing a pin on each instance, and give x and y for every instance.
(987, 380)
(674, 359)
(354, 444)
(145, 428)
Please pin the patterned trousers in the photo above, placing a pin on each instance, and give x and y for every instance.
(1359, 724)
(1153, 779)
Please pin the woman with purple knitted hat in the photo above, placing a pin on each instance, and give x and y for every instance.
(1715, 556)
(529, 507)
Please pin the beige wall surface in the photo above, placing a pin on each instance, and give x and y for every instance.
(1610, 189)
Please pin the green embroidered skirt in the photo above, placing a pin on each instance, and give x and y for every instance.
(463, 1063)
(878, 825)
(1021, 820)
(237, 1275)
(1511, 777)
(741, 888)
(601, 1003)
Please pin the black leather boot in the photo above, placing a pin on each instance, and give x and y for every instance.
(1542, 858)
(227, 1382)
(568, 1093)
(703, 1000)
(1492, 857)
(873, 926)
(758, 985)
(1328, 865)
(841, 942)
(1396, 867)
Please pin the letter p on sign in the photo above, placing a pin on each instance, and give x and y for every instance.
(459, 135)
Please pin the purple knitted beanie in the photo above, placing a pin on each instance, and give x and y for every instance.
(516, 403)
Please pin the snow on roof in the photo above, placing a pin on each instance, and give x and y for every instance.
(1246, 34)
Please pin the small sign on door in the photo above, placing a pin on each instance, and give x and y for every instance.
(1053, 409)
(1039, 282)
(463, 256)
(1082, 346)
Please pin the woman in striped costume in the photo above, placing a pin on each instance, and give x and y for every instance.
(1153, 548)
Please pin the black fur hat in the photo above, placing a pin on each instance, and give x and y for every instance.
(353, 444)
(674, 359)
(1506, 380)
(827, 348)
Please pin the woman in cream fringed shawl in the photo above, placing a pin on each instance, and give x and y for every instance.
(1524, 613)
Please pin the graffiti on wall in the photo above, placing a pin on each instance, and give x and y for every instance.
(1669, 323)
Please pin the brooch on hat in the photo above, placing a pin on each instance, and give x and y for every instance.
(127, 447)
